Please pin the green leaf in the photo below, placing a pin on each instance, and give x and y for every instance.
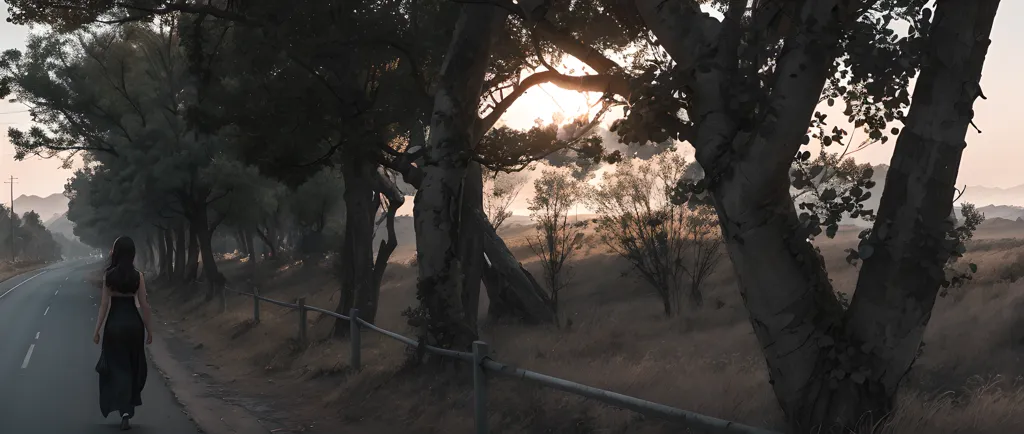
(973, 267)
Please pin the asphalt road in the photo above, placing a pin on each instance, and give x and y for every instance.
(47, 381)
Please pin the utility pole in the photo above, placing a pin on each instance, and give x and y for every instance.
(12, 182)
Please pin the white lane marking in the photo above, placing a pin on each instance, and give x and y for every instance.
(46, 311)
(22, 283)
(55, 292)
(37, 335)
(28, 356)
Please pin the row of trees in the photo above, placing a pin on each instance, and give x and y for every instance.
(182, 107)
(673, 247)
(32, 241)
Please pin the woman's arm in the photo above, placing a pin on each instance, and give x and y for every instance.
(144, 305)
(101, 317)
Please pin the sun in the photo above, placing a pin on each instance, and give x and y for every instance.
(552, 104)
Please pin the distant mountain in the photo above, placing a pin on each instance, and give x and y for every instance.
(61, 225)
(981, 195)
(48, 207)
(992, 212)
(1003, 203)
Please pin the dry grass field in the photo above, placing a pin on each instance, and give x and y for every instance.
(967, 381)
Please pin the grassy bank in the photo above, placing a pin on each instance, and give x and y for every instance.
(706, 361)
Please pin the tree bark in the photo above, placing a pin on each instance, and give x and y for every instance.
(267, 241)
(204, 237)
(161, 245)
(831, 372)
(900, 280)
(192, 260)
(180, 252)
(250, 246)
(395, 199)
(357, 248)
(167, 255)
(437, 205)
(471, 248)
(511, 289)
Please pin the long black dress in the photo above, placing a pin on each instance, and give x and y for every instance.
(122, 364)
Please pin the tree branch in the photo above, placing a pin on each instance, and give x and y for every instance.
(606, 84)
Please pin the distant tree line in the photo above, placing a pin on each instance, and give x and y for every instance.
(32, 241)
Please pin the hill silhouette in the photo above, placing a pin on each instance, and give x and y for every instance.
(49, 208)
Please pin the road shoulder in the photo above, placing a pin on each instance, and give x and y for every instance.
(213, 415)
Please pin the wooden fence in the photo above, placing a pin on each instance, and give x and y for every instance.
(484, 365)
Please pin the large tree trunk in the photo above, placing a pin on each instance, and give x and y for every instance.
(161, 246)
(512, 290)
(267, 241)
(147, 254)
(357, 248)
(167, 253)
(471, 248)
(517, 292)
(204, 236)
(192, 261)
(180, 252)
(250, 245)
(833, 373)
(899, 281)
(437, 204)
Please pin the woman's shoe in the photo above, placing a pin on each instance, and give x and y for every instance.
(125, 424)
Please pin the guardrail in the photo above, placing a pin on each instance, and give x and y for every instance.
(482, 365)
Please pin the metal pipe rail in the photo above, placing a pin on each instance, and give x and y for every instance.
(482, 364)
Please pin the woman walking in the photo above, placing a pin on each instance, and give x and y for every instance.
(122, 364)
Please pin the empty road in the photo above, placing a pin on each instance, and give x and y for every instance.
(47, 381)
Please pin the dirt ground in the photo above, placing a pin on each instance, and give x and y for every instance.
(705, 361)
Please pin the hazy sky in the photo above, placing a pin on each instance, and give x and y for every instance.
(991, 159)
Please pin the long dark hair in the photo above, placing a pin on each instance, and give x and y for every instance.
(121, 275)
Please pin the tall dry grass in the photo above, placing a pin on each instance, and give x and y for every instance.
(705, 361)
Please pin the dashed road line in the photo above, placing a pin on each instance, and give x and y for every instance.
(37, 336)
(46, 311)
(28, 356)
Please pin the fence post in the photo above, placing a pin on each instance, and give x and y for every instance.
(255, 305)
(480, 350)
(302, 319)
(354, 336)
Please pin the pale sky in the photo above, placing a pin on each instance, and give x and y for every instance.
(992, 159)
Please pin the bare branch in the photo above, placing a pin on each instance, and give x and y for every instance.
(606, 84)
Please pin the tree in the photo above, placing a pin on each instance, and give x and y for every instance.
(797, 318)
(742, 90)
(704, 241)
(555, 194)
(34, 242)
(500, 191)
(88, 93)
(638, 220)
